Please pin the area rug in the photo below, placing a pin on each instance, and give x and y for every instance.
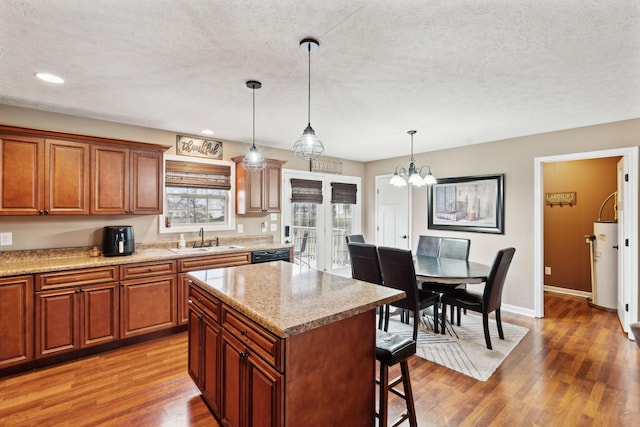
(462, 348)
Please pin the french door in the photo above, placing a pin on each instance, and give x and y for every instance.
(318, 212)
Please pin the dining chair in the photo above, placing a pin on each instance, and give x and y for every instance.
(365, 266)
(428, 246)
(450, 247)
(299, 253)
(398, 272)
(487, 301)
(355, 238)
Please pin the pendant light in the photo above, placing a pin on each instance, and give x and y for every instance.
(308, 146)
(413, 175)
(253, 161)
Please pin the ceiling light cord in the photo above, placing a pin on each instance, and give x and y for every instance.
(309, 87)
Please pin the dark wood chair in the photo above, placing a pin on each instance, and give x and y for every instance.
(490, 299)
(365, 266)
(399, 272)
(355, 238)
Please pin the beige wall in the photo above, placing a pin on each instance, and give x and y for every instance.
(515, 158)
(39, 232)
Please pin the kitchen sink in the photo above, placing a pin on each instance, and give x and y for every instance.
(206, 249)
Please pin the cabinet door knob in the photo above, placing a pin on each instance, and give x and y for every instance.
(244, 355)
(40, 212)
(243, 332)
(150, 269)
(46, 212)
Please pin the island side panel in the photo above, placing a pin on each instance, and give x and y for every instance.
(330, 374)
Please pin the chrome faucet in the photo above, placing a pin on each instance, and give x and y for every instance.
(201, 235)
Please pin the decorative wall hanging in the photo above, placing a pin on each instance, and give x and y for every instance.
(470, 203)
(196, 147)
(561, 199)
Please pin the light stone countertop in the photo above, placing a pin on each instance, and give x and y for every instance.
(286, 302)
(47, 260)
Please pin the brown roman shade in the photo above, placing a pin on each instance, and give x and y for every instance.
(201, 175)
(306, 191)
(343, 193)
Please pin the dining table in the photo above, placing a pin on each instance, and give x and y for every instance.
(449, 270)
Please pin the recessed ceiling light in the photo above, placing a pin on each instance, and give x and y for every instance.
(50, 78)
(208, 132)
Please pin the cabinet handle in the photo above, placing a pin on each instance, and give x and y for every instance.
(40, 212)
(200, 300)
(189, 281)
(244, 355)
(243, 332)
(200, 317)
(46, 212)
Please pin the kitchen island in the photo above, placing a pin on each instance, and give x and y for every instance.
(271, 346)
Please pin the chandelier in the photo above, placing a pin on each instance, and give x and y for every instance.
(308, 146)
(413, 175)
(253, 161)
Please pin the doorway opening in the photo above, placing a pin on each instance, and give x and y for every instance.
(628, 230)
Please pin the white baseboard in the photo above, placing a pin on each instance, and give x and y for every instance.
(529, 312)
(566, 291)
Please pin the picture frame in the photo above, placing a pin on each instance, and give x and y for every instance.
(469, 203)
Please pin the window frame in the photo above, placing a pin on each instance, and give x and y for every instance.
(231, 199)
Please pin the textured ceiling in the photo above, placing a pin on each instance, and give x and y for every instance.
(460, 72)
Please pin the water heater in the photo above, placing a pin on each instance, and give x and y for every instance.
(605, 265)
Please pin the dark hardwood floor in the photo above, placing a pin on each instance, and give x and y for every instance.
(574, 367)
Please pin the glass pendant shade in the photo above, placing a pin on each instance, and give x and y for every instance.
(253, 161)
(412, 175)
(308, 146)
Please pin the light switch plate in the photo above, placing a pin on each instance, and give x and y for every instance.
(6, 238)
(547, 271)
(274, 227)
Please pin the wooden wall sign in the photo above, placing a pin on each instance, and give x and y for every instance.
(195, 147)
(553, 199)
(326, 166)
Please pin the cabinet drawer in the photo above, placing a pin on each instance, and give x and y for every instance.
(147, 269)
(264, 344)
(208, 304)
(86, 276)
(216, 261)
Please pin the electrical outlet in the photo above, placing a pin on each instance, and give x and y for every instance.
(6, 238)
(547, 271)
(274, 227)
(240, 228)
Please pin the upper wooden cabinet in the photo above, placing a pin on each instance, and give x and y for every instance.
(126, 181)
(258, 192)
(43, 176)
(49, 173)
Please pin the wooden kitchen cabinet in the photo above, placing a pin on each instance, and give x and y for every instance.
(148, 297)
(204, 347)
(258, 192)
(43, 176)
(202, 263)
(126, 181)
(252, 391)
(75, 309)
(16, 320)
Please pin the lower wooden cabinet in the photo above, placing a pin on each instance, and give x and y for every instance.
(252, 391)
(204, 348)
(147, 305)
(16, 320)
(77, 317)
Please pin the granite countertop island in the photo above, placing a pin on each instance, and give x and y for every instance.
(284, 347)
(286, 302)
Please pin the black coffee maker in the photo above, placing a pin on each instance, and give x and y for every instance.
(117, 240)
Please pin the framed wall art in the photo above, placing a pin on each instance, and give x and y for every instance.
(470, 203)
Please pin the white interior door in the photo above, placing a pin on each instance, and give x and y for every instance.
(623, 312)
(393, 212)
